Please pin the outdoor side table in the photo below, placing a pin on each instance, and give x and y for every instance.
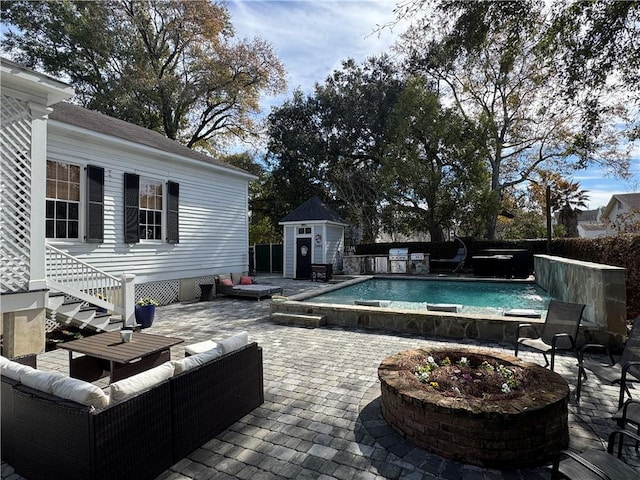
(106, 354)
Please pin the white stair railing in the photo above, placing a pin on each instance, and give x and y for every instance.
(72, 276)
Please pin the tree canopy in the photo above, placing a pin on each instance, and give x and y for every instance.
(487, 60)
(172, 66)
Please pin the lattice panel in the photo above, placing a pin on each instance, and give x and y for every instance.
(15, 194)
(164, 292)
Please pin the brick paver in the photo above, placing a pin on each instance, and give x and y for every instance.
(321, 417)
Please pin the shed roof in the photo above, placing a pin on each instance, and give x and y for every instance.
(313, 209)
(100, 123)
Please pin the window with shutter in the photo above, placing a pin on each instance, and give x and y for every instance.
(62, 214)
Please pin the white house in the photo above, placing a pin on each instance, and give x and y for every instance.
(104, 211)
(589, 224)
(622, 213)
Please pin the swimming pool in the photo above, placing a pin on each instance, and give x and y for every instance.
(491, 297)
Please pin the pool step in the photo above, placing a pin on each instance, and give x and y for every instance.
(299, 319)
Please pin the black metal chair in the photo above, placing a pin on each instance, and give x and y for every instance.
(559, 331)
(595, 464)
(626, 369)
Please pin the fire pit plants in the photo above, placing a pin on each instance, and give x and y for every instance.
(469, 376)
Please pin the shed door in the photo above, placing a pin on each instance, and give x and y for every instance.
(303, 258)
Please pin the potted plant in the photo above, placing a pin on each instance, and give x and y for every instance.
(145, 311)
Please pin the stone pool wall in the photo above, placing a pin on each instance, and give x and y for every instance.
(441, 324)
(600, 287)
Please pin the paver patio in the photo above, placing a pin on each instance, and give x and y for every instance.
(321, 417)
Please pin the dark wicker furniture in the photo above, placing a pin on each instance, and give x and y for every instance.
(48, 438)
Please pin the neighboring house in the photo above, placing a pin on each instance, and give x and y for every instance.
(589, 224)
(104, 211)
(313, 233)
(622, 213)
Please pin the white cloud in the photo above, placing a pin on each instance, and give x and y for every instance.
(312, 38)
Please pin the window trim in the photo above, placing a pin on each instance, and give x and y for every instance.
(81, 207)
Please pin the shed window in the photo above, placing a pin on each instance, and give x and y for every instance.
(62, 214)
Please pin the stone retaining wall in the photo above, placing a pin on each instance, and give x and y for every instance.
(600, 287)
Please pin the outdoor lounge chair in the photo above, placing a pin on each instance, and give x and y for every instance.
(559, 331)
(615, 372)
(595, 464)
(454, 264)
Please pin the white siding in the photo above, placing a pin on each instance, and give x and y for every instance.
(289, 249)
(212, 212)
(335, 239)
(318, 249)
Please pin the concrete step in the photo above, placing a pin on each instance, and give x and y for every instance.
(299, 319)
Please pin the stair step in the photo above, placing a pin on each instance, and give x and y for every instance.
(56, 299)
(299, 319)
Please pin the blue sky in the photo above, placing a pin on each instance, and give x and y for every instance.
(312, 37)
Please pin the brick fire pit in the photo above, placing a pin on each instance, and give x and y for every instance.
(526, 429)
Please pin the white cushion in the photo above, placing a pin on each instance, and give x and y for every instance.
(200, 347)
(233, 342)
(193, 361)
(80, 391)
(40, 380)
(13, 370)
(235, 277)
(142, 381)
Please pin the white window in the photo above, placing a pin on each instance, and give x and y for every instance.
(150, 213)
(62, 200)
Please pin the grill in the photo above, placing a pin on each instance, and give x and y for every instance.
(398, 258)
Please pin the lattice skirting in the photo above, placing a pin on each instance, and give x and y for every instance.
(163, 292)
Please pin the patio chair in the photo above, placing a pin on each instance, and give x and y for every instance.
(626, 369)
(595, 464)
(559, 331)
(455, 263)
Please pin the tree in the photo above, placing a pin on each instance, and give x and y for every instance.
(169, 66)
(331, 143)
(600, 55)
(487, 61)
(430, 169)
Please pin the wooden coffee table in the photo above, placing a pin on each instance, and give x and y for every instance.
(106, 354)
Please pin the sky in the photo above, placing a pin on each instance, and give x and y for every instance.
(313, 37)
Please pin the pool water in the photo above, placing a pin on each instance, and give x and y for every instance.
(474, 296)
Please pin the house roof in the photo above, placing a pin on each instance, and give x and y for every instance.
(106, 125)
(37, 84)
(630, 200)
(588, 215)
(313, 209)
(593, 227)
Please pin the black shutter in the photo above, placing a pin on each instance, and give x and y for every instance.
(173, 192)
(131, 208)
(95, 205)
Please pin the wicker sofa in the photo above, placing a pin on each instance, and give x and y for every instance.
(45, 437)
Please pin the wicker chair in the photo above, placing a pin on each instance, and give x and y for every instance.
(595, 464)
(559, 331)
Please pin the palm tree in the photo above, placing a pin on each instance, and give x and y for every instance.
(569, 200)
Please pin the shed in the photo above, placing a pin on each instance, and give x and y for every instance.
(313, 234)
